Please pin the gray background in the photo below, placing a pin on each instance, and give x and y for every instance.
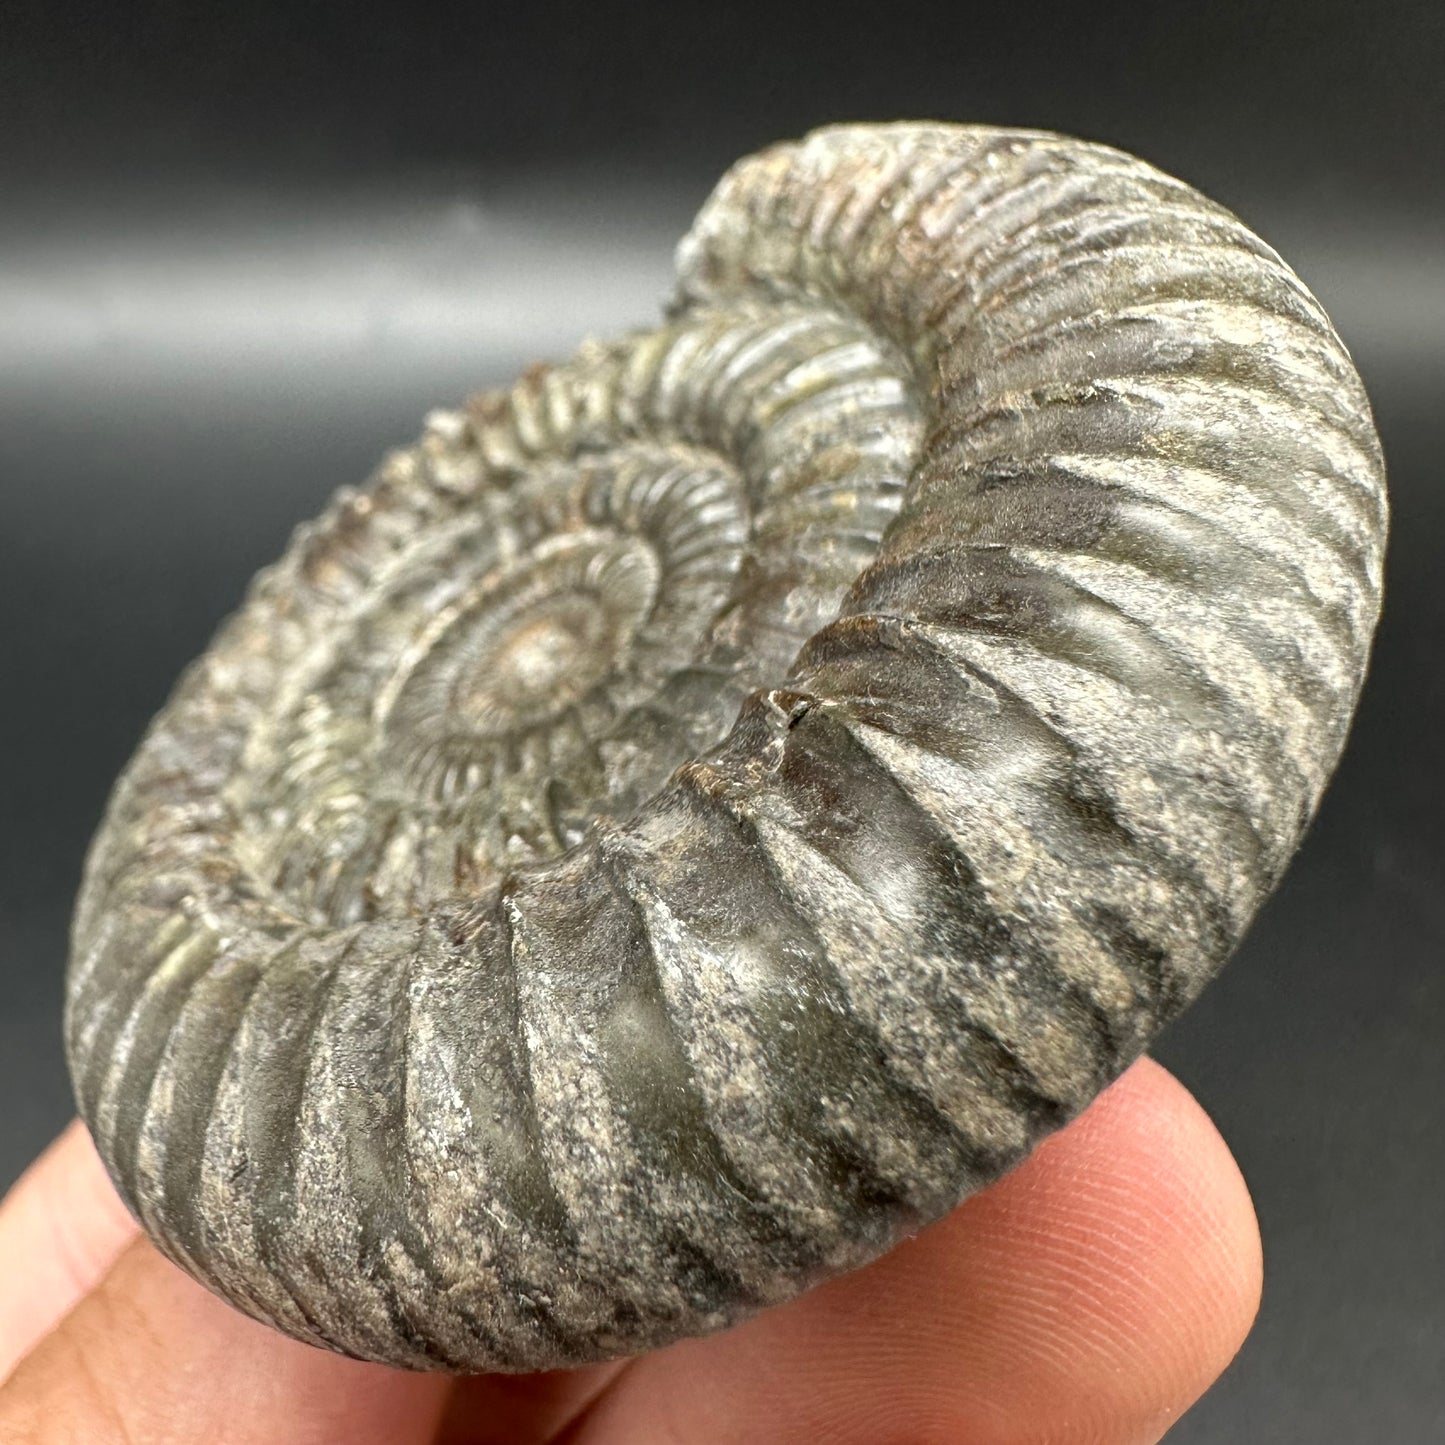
(237, 265)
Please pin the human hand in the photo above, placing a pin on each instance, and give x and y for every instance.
(1089, 1298)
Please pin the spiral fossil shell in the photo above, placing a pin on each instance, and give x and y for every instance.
(698, 815)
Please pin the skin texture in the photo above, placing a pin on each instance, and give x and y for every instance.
(703, 813)
(1088, 1297)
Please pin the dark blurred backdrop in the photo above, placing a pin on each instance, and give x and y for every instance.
(244, 247)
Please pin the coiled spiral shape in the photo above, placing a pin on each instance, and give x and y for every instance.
(699, 815)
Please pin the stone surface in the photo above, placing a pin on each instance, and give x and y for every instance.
(700, 814)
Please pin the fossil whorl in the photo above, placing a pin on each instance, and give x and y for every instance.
(697, 816)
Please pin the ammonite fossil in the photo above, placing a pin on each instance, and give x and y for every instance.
(697, 816)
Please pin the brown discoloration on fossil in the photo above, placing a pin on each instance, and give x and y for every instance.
(698, 815)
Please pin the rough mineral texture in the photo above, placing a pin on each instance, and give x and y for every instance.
(697, 816)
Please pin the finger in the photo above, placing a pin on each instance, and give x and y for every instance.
(150, 1355)
(61, 1227)
(521, 1409)
(1090, 1296)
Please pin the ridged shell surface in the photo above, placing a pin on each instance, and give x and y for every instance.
(697, 816)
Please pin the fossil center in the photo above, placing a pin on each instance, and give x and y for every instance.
(535, 643)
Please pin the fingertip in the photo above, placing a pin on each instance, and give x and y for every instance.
(61, 1228)
(1143, 1254)
(1099, 1289)
(1091, 1295)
